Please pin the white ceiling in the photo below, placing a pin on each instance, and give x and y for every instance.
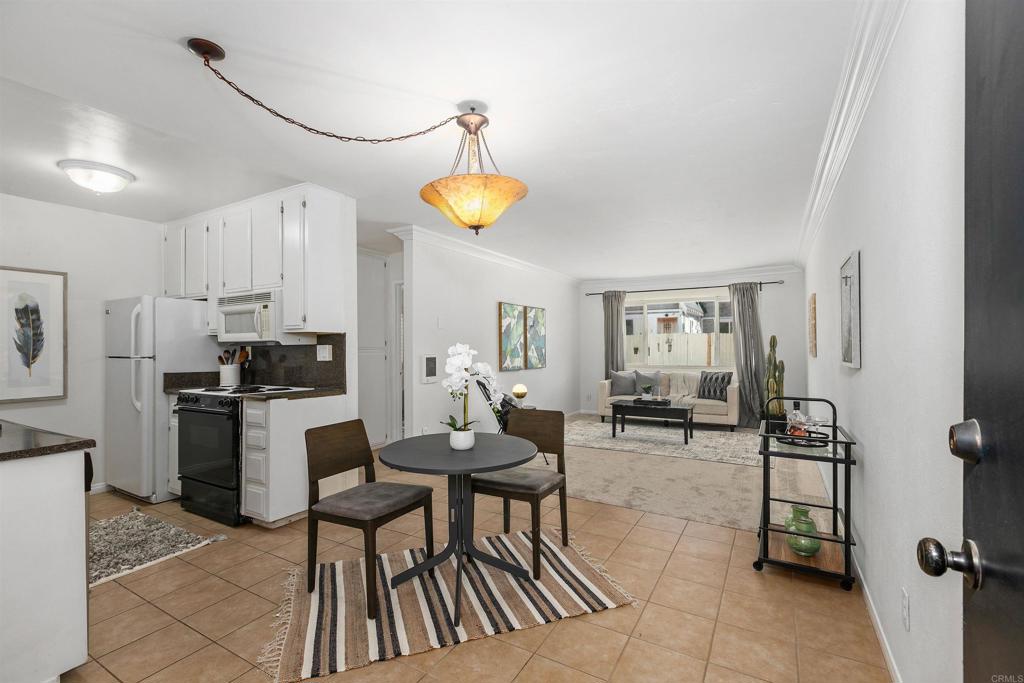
(656, 138)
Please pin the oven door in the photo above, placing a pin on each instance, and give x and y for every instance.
(209, 443)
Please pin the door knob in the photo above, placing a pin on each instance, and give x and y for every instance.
(934, 560)
(966, 441)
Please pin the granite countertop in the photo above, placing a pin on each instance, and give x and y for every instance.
(21, 441)
(291, 395)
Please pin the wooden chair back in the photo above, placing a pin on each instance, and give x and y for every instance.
(335, 448)
(545, 428)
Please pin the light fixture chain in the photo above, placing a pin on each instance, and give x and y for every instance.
(316, 131)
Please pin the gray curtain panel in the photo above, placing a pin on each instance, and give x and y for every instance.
(614, 332)
(748, 344)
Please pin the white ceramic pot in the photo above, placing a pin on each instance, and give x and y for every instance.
(230, 375)
(461, 441)
(646, 397)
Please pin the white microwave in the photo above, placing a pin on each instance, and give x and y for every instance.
(254, 318)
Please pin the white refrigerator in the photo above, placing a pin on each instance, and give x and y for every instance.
(145, 337)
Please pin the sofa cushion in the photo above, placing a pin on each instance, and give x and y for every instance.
(708, 406)
(683, 383)
(623, 383)
(642, 380)
(713, 385)
(666, 384)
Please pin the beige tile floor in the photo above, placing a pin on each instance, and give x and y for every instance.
(704, 614)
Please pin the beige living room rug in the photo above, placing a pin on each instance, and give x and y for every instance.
(652, 437)
(327, 630)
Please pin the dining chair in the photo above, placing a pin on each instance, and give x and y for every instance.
(546, 429)
(341, 447)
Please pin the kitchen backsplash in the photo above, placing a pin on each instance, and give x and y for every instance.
(297, 366)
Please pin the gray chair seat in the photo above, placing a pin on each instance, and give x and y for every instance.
(521, 480)
(372, 500)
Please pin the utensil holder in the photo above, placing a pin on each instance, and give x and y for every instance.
(230, 375)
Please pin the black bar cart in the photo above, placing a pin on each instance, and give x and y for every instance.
(832, 445)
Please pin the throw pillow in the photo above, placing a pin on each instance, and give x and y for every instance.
(623, 384)
(713, 385)
(643, 380)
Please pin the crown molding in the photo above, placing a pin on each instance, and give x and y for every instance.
(710, 279)
(873, 35)
(415, 233)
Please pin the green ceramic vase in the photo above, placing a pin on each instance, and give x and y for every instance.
(801, 521)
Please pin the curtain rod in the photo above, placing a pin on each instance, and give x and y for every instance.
(681, 289)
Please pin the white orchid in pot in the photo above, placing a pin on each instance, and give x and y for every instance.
(461, 370)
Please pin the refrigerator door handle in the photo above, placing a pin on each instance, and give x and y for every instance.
(131, 380)
(133, 323)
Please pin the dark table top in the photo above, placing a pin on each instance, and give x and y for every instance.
(21, 441)
(431, 454)
(682, 402)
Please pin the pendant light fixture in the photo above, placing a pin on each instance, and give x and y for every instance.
(473, 200)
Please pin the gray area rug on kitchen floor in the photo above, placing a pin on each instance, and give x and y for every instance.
(134, 540)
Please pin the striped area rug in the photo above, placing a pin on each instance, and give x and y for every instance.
(327, 630)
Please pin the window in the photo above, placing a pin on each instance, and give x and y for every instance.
(679, 329)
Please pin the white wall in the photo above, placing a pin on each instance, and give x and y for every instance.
(900, 202)
(105, 257)
(783, 313)
(452, 294)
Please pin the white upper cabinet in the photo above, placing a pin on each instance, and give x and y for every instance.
(236, 251)
(266, 243)
(293, 303)
(195, 259)
(174, 260)
(301, 239)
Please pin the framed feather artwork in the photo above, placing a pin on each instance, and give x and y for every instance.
(34, 329)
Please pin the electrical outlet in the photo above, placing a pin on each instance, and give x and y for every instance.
(590, 397)
(905, 609)
(324, 352)
(424, 430)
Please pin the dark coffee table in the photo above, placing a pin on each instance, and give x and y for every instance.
(678, 410)
(431, 454)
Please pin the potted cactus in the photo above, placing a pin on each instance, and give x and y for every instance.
(774, 378)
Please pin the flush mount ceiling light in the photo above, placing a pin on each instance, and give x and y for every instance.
(92, 175)
(473, 200)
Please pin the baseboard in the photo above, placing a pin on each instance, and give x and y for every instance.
(584, 412)
(877, 624)
(101, 487)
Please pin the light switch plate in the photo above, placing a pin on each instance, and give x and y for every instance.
(324, 352)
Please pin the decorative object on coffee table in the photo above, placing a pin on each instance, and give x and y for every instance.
(461, 368)
(774, 378)
(833, 556)
(34, 328)
(645, 392)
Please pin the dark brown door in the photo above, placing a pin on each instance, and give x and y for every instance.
(993, 446)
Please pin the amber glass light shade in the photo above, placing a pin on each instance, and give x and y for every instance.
(473, 200)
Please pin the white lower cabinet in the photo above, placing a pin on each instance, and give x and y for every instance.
(274, 472)
(173, 483)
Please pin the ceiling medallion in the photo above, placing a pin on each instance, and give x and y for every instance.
(473, 200)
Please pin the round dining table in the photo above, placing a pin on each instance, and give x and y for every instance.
(431, 454)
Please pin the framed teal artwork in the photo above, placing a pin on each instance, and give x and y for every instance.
(536, 338)
(511, 336)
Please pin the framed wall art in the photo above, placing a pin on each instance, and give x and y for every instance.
(536, 338)
(511, 336)
(34, 330)
(849, 310)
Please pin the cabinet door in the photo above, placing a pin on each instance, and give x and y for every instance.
(266, 244)
(213, 273)
(293, 294)
(174, 260)
(195, 259)
(173, 483)
(236, 251)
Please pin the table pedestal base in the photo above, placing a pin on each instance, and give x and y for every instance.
(460, 542)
